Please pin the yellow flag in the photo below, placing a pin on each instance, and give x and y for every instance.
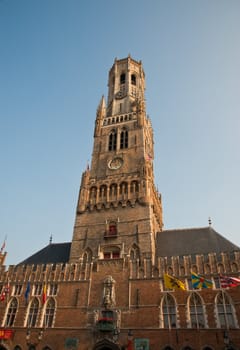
(173, 283)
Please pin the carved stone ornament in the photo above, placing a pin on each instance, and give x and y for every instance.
(109, 292)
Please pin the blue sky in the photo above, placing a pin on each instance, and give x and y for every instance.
(54, 63)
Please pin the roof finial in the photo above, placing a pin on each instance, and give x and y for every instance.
(50, 239)
(210, 221)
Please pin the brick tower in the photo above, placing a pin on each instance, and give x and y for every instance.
(119, 210)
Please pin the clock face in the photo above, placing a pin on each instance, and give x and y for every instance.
(115, 163)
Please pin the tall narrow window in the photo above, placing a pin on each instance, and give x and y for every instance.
(33, 313)
(134, 188)
(103, 193)
(124, 139)
(196, 312)
(123, 190)
(225, 310)
(134, 252)
(53, 289)
(113, 191)
(18, 289)
(122, 78)
(112, 143)
(11, 313)
(133, 79)
(49, 313)
(169, 312)
(87, 257)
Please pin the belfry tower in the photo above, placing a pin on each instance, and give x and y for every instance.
(119, 210)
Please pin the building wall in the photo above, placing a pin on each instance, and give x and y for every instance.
(137, 304)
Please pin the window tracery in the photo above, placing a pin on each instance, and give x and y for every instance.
(11, 312)
(196, 311)
(169, 318)
(225, 311)
(33, 313)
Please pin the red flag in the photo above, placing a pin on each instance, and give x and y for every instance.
(44, 294)
(5, 292)
(229, 282)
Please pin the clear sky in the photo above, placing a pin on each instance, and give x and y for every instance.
(54, 61)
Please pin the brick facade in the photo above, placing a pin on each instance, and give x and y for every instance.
(109, 292)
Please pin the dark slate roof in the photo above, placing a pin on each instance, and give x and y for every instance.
(190, 241)
(51, 254)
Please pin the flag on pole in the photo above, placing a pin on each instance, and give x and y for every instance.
(173, 283)
(5, 292)
(229, 282)
(27, 292)
(199, 281)
(3, 246)
(44, 294)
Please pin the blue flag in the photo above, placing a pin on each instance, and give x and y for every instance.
(27, 291)
(199, 281)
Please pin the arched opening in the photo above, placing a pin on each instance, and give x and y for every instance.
(106, 344)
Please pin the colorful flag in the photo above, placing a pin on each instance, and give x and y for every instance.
(199, 282)
(27, 292)
(5, 292)
(229, 282)
(44, 294)
(173, 283)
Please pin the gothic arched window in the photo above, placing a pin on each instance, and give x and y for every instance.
(196, 311)
(11, 313)
(112, 143)
(225, 311)
(134, 252)
(33, 313)
(87, 257)
(169, 319)
(49, 313)
(124, 139)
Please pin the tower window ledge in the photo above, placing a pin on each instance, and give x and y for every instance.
(107, 235)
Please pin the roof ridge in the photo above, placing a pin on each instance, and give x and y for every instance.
(189, 228)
